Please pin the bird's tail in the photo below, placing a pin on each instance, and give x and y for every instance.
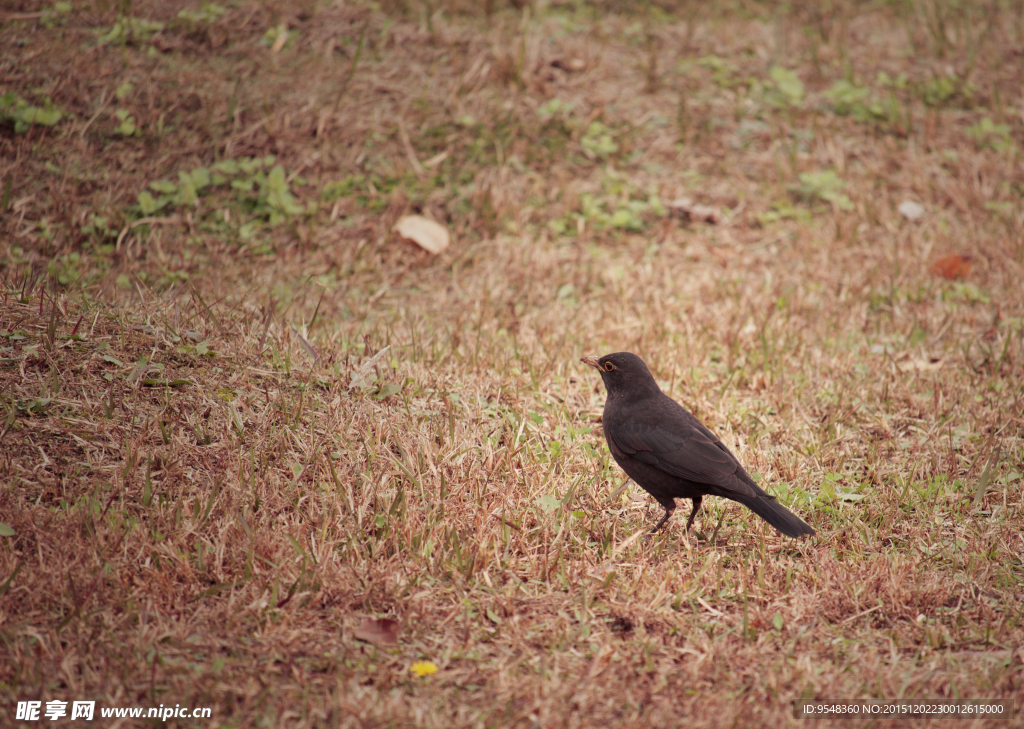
(784, 520)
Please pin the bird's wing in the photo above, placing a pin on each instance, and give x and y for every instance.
(688, 451)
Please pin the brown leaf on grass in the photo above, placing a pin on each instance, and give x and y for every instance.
(403, 133)
(955, 266)
(424, 232)
(925, 364)
(379, 631)
(911, 210)
(437, 159)
(570, 64)
(166, 44)
(305, 345)
(282, 38)
(686, 208)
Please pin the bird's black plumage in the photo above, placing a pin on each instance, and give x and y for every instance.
(669, 453)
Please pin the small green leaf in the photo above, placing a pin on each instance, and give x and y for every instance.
(200, 177)
(849, 496)
(249, 230)
(5, 530)
(547, 504)
(186, 190)
(598, 142)
(827, 186)
(15, 109)
(227, 167)
(387, 391)
(788, 83)
(626, 218)
(35, 405)
(149, 205)
(165, 186)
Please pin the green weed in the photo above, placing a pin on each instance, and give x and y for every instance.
(18, 113)
(989, 135)
(825, 186)
(129, 30)
(786, 89)
(262, 192)
(207, 13)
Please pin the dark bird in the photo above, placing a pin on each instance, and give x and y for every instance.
(665, 449)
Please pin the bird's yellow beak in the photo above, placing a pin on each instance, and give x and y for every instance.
(591, 360)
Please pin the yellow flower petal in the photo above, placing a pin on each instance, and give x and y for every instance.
(423, 668)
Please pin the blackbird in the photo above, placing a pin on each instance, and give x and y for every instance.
(665, 449)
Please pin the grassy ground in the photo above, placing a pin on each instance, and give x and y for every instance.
(259, 455)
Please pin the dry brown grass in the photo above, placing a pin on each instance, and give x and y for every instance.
(204, 515)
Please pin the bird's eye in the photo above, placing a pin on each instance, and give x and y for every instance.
(608, 367)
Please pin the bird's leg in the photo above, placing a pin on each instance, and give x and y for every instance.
(696, 506)
(668, 513)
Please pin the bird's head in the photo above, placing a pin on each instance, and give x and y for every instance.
(622, 371)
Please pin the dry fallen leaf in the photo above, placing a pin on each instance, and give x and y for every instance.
(361, 377)
(926, 364)
(572, 64)
(305, 345)
(952, 267)
(686, 208)
(622, 545)
(437, 159)
(379, 631)
(911, 210)
(282, 38)
(424, 232)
